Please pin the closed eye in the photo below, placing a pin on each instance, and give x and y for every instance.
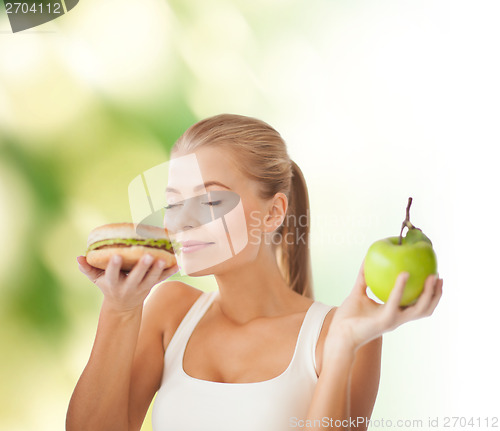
(170, 206)
(212, 203)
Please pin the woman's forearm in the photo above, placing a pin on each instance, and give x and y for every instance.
(100, 399)
(329, 409)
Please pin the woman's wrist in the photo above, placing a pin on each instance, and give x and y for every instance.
(338, 354)
(120, 311)
(339, 341)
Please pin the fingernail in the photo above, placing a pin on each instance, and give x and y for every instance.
(161, 263)
(116, 258)
(148, 259)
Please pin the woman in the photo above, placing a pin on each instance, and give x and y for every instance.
(259, 353)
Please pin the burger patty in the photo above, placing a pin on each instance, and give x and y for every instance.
(170, 250)
(162, 244)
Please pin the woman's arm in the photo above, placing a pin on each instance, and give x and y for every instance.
(101, 397)
(365, 378)
(352, 338)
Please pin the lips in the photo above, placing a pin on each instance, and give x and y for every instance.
(191, 243)
(191, 246)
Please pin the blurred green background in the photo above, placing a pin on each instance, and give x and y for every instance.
(375, 101)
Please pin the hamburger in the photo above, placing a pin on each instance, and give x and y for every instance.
(130, 243)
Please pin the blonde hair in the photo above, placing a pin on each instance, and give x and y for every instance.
(261, 153)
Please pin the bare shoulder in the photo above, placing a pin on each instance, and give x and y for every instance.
(168, 304)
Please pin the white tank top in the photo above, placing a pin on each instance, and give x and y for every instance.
(185, 403)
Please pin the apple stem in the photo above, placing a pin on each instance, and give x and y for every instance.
(406, 222)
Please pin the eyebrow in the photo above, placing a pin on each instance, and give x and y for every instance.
(201, 186)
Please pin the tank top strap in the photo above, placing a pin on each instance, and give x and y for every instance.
(177, 345)
(308, 337)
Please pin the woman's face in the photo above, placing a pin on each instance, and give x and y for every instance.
(213, 211)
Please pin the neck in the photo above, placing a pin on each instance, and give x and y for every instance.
(255, 289)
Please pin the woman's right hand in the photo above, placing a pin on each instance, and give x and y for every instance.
(126, 292)
(360, 319)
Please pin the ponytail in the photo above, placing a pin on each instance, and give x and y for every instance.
(293, 251)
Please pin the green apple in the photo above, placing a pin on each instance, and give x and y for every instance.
(387, 258)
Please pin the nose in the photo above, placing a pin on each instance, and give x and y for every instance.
(187, 215)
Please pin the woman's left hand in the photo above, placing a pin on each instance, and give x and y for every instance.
(360, 319)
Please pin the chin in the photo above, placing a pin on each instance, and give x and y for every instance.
(228, 265)
(199, 273)
(212, 270)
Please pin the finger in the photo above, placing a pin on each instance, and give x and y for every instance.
(420, 307)
(435, 299)
(360, 283)
(136, 276)
(112, 274)
(91, 272)
(396, 294)
(153, 275)
(167, 273)
(81, 260)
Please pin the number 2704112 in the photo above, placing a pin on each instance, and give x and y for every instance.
(462, 422)
(33, 8)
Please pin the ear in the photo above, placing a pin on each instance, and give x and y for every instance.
(276, 212)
